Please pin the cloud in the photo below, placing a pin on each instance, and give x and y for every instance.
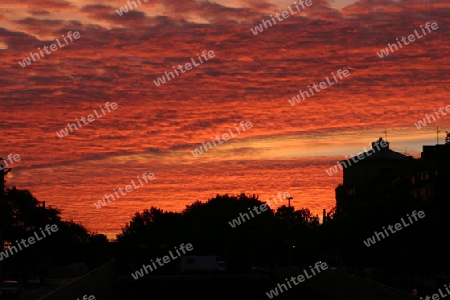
(251, 78)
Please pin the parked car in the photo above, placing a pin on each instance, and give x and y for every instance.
(259, 269)
(9, 289)
(32, 282)
(202, 264)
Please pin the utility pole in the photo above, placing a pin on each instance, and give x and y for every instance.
(289, 235)
(3, 172)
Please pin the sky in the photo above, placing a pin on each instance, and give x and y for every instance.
(250, 78)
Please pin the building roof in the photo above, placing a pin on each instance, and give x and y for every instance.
(380, 151)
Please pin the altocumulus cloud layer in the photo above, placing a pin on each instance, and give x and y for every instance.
(250, 78)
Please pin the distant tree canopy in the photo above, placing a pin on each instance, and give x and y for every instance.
(207, 227)
(21, 215)
(21, 212)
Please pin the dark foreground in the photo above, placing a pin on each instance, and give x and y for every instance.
(207, 288)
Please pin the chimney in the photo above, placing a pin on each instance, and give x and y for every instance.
(377, 146)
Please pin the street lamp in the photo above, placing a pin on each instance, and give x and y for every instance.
(289, 234)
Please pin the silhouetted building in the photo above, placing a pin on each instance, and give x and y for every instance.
(376, 163)
(437, 154)
(382, 172)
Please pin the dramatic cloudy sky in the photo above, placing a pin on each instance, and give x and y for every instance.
(251, 78)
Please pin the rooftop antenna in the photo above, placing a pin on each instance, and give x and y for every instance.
(385, 132)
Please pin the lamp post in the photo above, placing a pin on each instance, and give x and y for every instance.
(289, 232)
(437, 135)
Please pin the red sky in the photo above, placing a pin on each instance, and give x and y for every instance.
(250, 78)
